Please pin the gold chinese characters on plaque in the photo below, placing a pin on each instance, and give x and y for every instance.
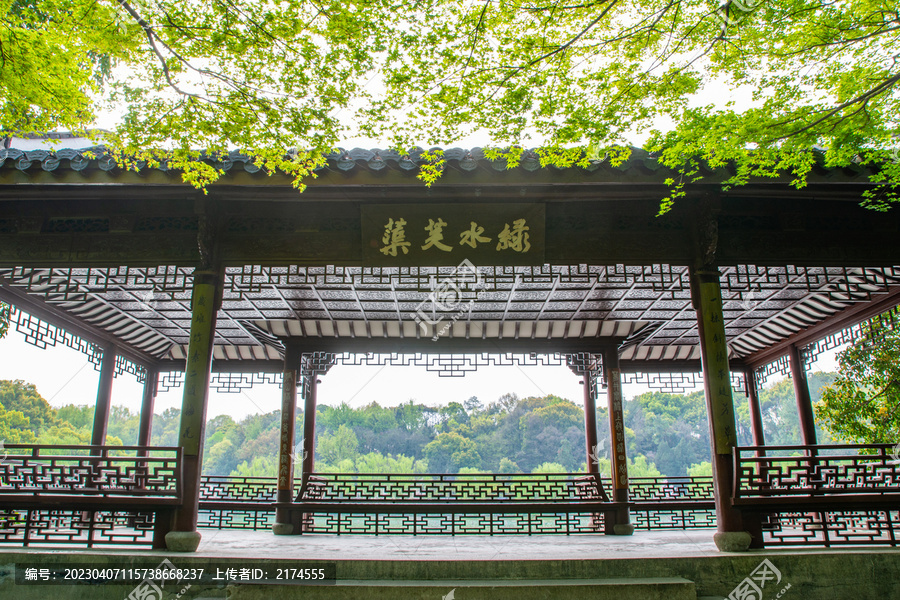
(445, 234)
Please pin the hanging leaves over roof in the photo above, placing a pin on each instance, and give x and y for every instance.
(180, 79)
(749, 85)
(755, 85)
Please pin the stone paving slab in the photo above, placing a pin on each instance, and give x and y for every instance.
(643, 544)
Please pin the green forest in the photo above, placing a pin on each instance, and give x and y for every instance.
(667, 434)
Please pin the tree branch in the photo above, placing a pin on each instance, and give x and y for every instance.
(151, 38)
(558, 49)
(862, 98)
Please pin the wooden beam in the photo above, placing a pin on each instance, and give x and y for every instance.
(461, 345)
(277, 365)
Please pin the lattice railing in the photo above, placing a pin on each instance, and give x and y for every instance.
(385, 487)
(826, 495)
(96, 470)
(214, 488)
(86, 495)
(50, 526)
(262, 489)
(816, 470)
(419, 504)
(670, 489)
(657, 502)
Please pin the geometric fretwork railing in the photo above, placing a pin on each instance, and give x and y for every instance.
(216, 488)
(417, 504)
(476, 503)
(672, 502)
(816, 470)
(827, 496)
(105, 471)
(415, 488)
(670, 489)
(262, 489)
(238, 502)
(88, 495)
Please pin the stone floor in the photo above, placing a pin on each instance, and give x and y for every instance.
(233, 543)
(643, 544)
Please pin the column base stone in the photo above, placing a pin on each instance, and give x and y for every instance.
(623, 529)
(732, 541)
(183, 541)
(283, 529)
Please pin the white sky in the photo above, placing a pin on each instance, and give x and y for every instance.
(63, 376)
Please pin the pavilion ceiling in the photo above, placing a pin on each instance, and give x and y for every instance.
(646, 309)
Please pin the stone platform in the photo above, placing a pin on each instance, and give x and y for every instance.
(676, 565)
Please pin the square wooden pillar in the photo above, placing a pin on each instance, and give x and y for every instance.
(206, 298)
(618, 522)
(286, 454)
(756, 424)
(310, 388)
(104, 395)
(706, 296)
(804, 401)
(145, 427)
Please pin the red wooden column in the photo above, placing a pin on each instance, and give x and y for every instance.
(285, 491)
(621, 521)
(206, 298)
(145, 427)
(104, 395)
(590, 419)
(101, 418)
(706, 296)
(311, 366)
(756, 424)
(310, 384)
(587, 366)
(804, 401)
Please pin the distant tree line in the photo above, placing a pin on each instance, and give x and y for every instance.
(666, 434)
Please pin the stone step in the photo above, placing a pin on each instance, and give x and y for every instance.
(648, 588)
